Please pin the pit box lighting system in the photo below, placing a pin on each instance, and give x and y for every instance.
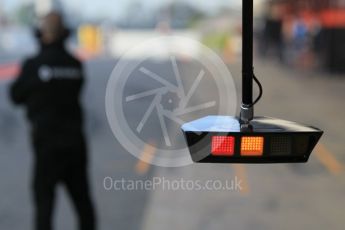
(249, 139)
(220, 139)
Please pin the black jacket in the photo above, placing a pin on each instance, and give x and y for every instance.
(49, 86)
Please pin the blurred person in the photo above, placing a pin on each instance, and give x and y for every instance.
(304, 31)
(300, 34)
(272, 37)
(49, 87)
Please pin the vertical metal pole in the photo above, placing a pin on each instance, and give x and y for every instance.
(247, 110)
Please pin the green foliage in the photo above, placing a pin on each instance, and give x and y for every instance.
(25, 14)
(216, 41)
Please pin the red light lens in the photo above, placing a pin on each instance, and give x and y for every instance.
(223, 146)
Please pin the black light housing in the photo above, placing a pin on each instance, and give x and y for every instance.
(280, 141)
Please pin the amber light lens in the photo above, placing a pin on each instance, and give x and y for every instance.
(223, 145)
(252, 146)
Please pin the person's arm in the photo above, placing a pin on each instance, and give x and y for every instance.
(21, 87)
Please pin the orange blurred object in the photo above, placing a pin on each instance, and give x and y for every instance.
(333, 18)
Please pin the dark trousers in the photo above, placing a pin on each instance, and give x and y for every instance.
(67, 167)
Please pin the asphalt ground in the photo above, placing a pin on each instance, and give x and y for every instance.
(298, 196)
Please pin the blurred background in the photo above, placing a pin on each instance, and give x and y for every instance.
(299, 58)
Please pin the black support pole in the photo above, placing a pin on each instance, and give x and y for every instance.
(247, 61)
